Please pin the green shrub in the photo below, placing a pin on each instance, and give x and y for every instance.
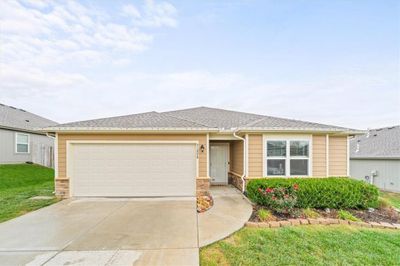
(332, 192)
(345, 215)
(264, 215)
(310, 213)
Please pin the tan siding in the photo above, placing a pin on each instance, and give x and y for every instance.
(319, 155)
(338, 155)
(255, 156)
(236, 157)
(62, 139)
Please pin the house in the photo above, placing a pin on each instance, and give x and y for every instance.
(375, 158)
(20, 141)
(179, 153)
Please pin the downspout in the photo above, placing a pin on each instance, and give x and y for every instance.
(50, 136)
(244, 159)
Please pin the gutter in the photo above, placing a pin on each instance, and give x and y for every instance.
(127, 130)
(244, 159)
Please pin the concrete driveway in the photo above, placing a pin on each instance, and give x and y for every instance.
(104, 232)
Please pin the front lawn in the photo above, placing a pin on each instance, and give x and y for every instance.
(306, 245)
(18, 183)
(392, 198)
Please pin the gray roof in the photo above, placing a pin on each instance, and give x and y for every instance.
(204, 118)
(19, 119)
(377, 143)
(226, 119)
(143, 120)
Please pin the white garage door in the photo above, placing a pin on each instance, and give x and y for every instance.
(133, 169)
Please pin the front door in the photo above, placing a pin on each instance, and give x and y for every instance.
(219, 163)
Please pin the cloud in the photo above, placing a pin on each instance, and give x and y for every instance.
(49, 46)
(152, 14)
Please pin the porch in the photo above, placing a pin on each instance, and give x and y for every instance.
(226, 162)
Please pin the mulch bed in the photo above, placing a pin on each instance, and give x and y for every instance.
(388, 215)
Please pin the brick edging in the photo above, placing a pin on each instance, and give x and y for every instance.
(323, 221)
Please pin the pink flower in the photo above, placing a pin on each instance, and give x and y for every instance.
(269, 190)
(296, 186)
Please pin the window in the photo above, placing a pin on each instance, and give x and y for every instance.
(21, 143)
(287, 157)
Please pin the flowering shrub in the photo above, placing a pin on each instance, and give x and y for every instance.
(280, 199)
(320, 193)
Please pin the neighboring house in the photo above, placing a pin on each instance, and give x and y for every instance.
(19, 139)
(182, 152)
(375, 158)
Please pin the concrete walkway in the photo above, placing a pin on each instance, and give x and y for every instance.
(230, 212)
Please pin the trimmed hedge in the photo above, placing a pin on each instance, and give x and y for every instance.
(332, 192)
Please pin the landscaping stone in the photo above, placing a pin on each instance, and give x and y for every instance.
(313, 221)
(285, 223)
(304, 221)
(251, 224)
(294, 221)
(376, 225)
(388, 225)
(323, 221)
(396, 225)
(264, 225)
(274, 224)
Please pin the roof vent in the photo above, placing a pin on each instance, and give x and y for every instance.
(22, 110)
(391, 127)
(26, 120)
(13, 107)
(375, 135)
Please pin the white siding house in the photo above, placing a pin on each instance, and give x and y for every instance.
(20, 142)
(375, 158)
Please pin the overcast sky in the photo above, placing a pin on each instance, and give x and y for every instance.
(335, 62)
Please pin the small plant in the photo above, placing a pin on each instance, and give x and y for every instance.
(310, 213)
(265, 215)
(345, 215)
(281, 199)
(383, 203)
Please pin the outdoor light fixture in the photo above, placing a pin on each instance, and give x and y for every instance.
(202, 148)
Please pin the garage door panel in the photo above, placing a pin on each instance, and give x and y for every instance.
(136, 170)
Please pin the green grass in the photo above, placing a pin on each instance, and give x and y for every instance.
(306, 245)
(393, 198)
(346, 215)
(18, 183)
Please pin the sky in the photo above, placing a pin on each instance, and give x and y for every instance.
(333, 62)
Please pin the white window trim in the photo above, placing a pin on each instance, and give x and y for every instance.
(287, 158)
(16, 143)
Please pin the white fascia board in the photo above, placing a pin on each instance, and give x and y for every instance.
(302, 130)
(122, 130)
